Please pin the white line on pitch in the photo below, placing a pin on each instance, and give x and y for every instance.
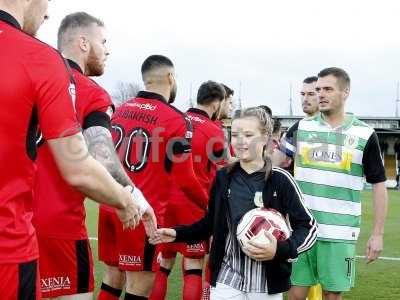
(358, 256)
(383, 258)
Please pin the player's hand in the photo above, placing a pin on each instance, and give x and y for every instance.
(374, 248)
(149, 222)
(129, 215)
(163, 235)
(260, 252)
(146, 212)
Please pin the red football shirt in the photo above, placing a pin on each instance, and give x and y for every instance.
(207, 150)
(58, 209)
(153, 141)
(35, 88)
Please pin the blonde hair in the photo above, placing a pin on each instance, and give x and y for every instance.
(266, 126)
(264, 119)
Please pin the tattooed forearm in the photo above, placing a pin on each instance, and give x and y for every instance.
(101, 147)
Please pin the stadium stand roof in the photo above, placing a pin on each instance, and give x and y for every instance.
(382, 125)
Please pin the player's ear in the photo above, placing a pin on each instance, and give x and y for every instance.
(171, 77)
(346, 92)
(215, 105)
(83, 44)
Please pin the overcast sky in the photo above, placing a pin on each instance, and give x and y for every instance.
(264, 45)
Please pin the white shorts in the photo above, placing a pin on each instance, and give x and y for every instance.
(224, 292)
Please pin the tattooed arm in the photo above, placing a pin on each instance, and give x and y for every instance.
(101, 147)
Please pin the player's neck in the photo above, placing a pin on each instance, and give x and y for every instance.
(14, 11)
(207, 109)
(252, 166)
(334, 119)
(312, 114)
(158, 90)
(79, 61)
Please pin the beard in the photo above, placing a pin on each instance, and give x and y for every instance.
(172, 95)
(216, 114)
(222, 115)
(94, 67)
(30, 27)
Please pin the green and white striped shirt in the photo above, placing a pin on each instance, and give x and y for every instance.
(330, 165)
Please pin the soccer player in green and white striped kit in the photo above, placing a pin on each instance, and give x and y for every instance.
(334, 151)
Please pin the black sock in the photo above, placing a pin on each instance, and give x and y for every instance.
(165, 271)
(134, 297)
(113, 291)
(197, 272)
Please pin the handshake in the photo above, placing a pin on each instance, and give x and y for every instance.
(137, 209)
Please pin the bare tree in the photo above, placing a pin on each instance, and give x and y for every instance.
(124, 91)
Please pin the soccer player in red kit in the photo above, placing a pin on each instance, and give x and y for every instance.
(226, 106)
(36, 89)
(61, 226)
(207, 150)
(153, 140)
(224, 114)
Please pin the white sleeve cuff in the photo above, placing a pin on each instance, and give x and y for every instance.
(140, 200)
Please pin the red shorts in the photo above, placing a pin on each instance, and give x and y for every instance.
(136, 253)
(20, 281)
(194, 251)
(66, 267)
(127, 249)
(183, 214)
(109, 233)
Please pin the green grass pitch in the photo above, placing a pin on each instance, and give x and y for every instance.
(378, 281)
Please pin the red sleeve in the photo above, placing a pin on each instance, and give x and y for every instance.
(221, 147)
(218, 149)
(182, 167)
(98, 100)
(183, 174)
(54, 93)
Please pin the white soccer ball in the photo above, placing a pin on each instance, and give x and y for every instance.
(256, 222)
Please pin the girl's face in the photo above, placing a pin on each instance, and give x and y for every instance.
(247, 139)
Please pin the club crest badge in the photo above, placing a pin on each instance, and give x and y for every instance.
(351, 142)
